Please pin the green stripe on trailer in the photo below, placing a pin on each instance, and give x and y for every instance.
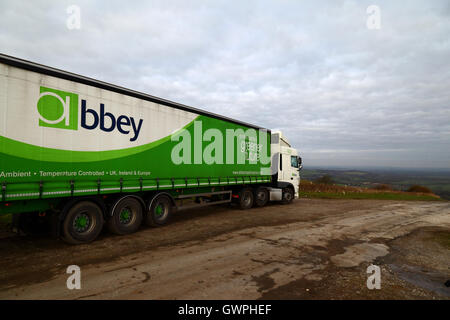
(147, 170)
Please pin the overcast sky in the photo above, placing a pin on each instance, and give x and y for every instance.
(344, 94)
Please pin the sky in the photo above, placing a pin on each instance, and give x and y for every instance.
(343, 92)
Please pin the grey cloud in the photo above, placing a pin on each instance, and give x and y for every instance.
(343, 94)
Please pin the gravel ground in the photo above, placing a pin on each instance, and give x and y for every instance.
(311, 249)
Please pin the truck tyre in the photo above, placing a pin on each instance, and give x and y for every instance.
(83, 223)
(288, 195)
(261, 196)
(126, 216)
(160, 211)
(246, 198)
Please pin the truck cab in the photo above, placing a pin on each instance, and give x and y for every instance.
(286, 164)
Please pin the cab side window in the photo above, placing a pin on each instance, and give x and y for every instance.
(294, 162)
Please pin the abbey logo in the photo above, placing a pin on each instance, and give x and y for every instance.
(59, 109)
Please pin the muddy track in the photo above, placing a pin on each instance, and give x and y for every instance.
(310, 249)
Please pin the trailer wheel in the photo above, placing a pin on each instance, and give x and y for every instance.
(160, 211)
(246, 198)
(261, 196)
(83, 223)
(288, 195)
(126, 216)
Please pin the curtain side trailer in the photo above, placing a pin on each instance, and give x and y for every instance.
(82, 153)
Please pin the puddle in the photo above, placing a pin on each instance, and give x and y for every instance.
(359, 253)
(429, 280)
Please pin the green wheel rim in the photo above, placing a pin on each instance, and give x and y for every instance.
(125, 215)
(159, 210)
(81, 222)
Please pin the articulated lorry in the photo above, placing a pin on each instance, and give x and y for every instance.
(81, 153)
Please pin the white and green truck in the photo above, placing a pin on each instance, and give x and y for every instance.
(83, 153)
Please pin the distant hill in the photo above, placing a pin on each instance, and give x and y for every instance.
(401, 180)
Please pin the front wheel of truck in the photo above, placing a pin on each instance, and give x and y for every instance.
(288, 195)
(83, 223)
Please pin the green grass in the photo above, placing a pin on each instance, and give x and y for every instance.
(374, 196)
(438, 182)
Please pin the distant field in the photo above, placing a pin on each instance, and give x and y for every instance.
(401, 180)
(309, 189)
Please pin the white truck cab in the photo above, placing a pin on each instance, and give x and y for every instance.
(286, 164)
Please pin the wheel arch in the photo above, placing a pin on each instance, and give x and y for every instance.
(172, 200)
(66, 206)
(282, 185)
(120, 198)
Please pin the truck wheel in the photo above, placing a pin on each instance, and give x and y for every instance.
(83, 223)
(126, 216)
(261, 197)
(160, 211)
(246, 199)
(288, 195)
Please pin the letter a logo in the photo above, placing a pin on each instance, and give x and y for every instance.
(57, 109)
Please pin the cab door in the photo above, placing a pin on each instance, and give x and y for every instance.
(289, 170)
(295, 173)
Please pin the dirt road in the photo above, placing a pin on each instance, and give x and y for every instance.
(310, 249)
